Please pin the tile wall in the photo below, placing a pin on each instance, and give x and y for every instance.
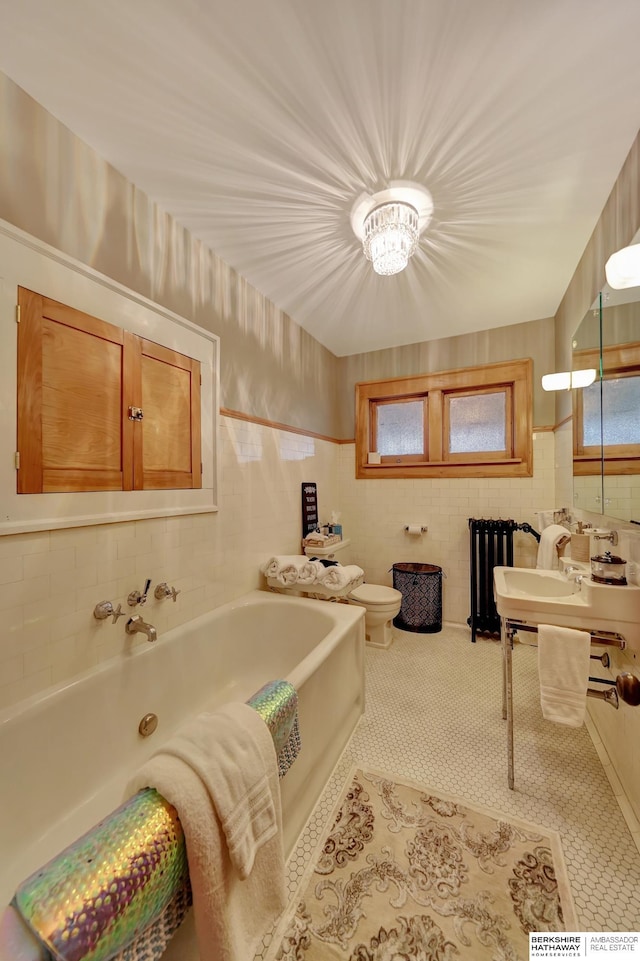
(375, 513)
(51, 581)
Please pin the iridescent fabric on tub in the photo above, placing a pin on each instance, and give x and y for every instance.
(277, 705)
(121, 890)
(105, 889)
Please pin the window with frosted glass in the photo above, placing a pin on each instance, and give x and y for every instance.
(620, 405)
(591, 415)
(400, 428)
(477, 423)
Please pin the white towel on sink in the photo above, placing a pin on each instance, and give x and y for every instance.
(563, 668)
(547, 548)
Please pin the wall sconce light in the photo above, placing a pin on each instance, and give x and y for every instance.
(623, 268)
(569, 379)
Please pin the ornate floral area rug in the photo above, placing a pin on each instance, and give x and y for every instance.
(404, 873)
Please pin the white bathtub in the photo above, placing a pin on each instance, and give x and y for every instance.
(66, 755)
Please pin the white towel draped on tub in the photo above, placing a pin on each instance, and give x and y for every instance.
(547, 548)
(563, 667)
(220, 772)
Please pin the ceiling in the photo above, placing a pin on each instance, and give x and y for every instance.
(258, 124)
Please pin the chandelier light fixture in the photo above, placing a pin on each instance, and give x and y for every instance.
(390, 237)
(389, 224)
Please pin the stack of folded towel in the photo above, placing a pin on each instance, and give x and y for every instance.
(338, 576)
(292, 570)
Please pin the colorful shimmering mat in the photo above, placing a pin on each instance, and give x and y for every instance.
(102, 891)
(277, 705)
(113, 889)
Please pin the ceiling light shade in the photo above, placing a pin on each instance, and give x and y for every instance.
(390, 237)
(389, 224)
(623, 268)
(568, 379)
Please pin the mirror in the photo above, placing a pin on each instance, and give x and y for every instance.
(606, 416)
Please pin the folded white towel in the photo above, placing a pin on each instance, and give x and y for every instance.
(547, 553)
(563, 668)
(220, 772)
(300, 574)
(338, 576)
(275, 564)
(291, 569)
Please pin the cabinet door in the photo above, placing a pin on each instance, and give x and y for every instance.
(78, 380)
(73, 376)
(167, 439)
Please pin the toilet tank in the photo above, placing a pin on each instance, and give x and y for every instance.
(340, 552)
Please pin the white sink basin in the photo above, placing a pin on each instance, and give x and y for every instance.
(549, 597)
(538, 583)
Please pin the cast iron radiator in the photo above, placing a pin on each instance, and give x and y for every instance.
(490, 545)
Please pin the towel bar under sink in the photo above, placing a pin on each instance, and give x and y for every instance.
(509, 627)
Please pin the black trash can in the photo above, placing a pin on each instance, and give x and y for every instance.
(421, 589)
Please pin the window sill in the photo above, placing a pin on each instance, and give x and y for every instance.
(504, 467)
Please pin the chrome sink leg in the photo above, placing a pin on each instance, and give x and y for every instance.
(506, 634)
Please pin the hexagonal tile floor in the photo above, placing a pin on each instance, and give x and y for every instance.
(433, 714)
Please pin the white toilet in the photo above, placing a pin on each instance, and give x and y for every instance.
(381, 604)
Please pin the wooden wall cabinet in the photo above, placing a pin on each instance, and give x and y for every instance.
(82, 383)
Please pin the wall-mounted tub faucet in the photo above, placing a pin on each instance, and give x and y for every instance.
(135, 625)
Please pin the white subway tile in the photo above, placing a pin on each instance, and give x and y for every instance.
(36, 564)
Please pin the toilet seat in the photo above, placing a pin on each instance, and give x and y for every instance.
(376, 596)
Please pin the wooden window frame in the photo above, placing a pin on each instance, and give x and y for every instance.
(480, 457)
(400, 458)
(515, 377)
(618, 361)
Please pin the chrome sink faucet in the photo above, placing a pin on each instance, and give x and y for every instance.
(575, 574)
(135, 625)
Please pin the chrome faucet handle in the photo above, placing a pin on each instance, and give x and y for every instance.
(105, 609)
(163, 590)
(135, 597)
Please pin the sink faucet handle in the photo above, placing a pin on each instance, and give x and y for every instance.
(136, 597)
